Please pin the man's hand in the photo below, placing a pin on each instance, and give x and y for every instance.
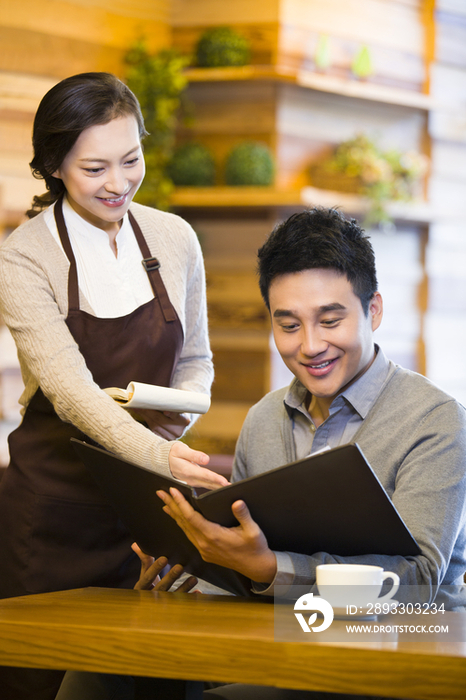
(185, 465)
(167, 424)
(243, 548)
(149, 578)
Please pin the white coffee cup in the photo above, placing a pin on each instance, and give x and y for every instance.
(354, 584)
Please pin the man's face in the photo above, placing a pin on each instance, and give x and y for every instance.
(321, 331)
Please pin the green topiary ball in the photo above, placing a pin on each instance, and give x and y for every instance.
(222, 46)
(192, 165)
(249, 163)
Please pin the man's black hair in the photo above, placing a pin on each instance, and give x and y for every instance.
(319, 238)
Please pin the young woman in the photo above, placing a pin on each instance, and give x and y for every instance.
(86, 314)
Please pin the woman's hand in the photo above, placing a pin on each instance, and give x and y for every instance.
(167, 424)
(149, 578)
(186, 465)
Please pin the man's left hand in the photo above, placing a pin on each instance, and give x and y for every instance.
(243, 548)
(149, 578)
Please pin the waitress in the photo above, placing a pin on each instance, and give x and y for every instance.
(86, 314)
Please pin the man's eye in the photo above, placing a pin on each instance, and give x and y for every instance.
(330, 322)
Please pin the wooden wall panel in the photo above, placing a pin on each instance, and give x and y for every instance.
(19, 96)
(387, 23)
(98, 22)
(391, 30)
(445, 322)
(42, 44)
(298, 45)
(64, 38)
(35, 53)
(185, 13)
(451, 38)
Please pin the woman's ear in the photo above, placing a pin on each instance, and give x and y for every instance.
(376, 310)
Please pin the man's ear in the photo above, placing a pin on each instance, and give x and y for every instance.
(376, 310)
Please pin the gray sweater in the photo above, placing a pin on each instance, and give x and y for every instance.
(414, 437)
(34, 305)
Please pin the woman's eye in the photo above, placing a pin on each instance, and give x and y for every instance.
(93, 171)
(133, 161)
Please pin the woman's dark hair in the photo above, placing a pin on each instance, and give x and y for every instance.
(65, 111)
(319, 238)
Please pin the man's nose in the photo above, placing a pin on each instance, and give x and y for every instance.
(313, 343)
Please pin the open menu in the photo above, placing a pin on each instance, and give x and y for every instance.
(331, 502)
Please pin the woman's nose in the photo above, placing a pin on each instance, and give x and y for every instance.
(116, 181)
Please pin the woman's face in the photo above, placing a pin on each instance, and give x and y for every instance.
(103, 172)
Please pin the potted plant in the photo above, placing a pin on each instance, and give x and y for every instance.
(222, 46)
(250, 163)
(360, 166)
(192, 165)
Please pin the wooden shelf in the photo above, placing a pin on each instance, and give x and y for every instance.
(212, 197)
(320, 82)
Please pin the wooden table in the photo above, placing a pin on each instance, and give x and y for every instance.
(222, 638)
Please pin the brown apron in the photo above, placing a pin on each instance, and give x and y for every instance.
(56, 529)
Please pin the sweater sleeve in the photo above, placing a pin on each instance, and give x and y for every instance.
(416, 444)
(194, 371)
(48, 353)
(429, 493)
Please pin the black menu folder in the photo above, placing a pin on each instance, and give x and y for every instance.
(331, 502)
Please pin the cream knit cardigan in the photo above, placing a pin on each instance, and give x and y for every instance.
(34, 305)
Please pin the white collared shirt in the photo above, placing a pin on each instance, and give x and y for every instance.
(113, 286)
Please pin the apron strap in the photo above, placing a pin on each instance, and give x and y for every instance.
(73, 289)
(152, 266)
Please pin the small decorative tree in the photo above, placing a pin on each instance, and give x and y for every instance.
(158, 82)
(192, 165)
(222, 46)
(250, 163)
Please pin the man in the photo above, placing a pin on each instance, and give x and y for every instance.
(318, 279)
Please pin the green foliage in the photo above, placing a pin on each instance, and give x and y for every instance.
(382, 175)
(323, 57)
(249, 163)
(222, 46)
(362, 64)
(192, 165)
(158, 82)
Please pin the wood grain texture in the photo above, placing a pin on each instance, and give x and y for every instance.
(218, 638)
(322, 82)
(190, 198)
(102, 22)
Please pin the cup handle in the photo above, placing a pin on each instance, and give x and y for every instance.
(395, 586)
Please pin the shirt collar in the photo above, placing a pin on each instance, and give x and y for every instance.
(87, 230)
(361, 395)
